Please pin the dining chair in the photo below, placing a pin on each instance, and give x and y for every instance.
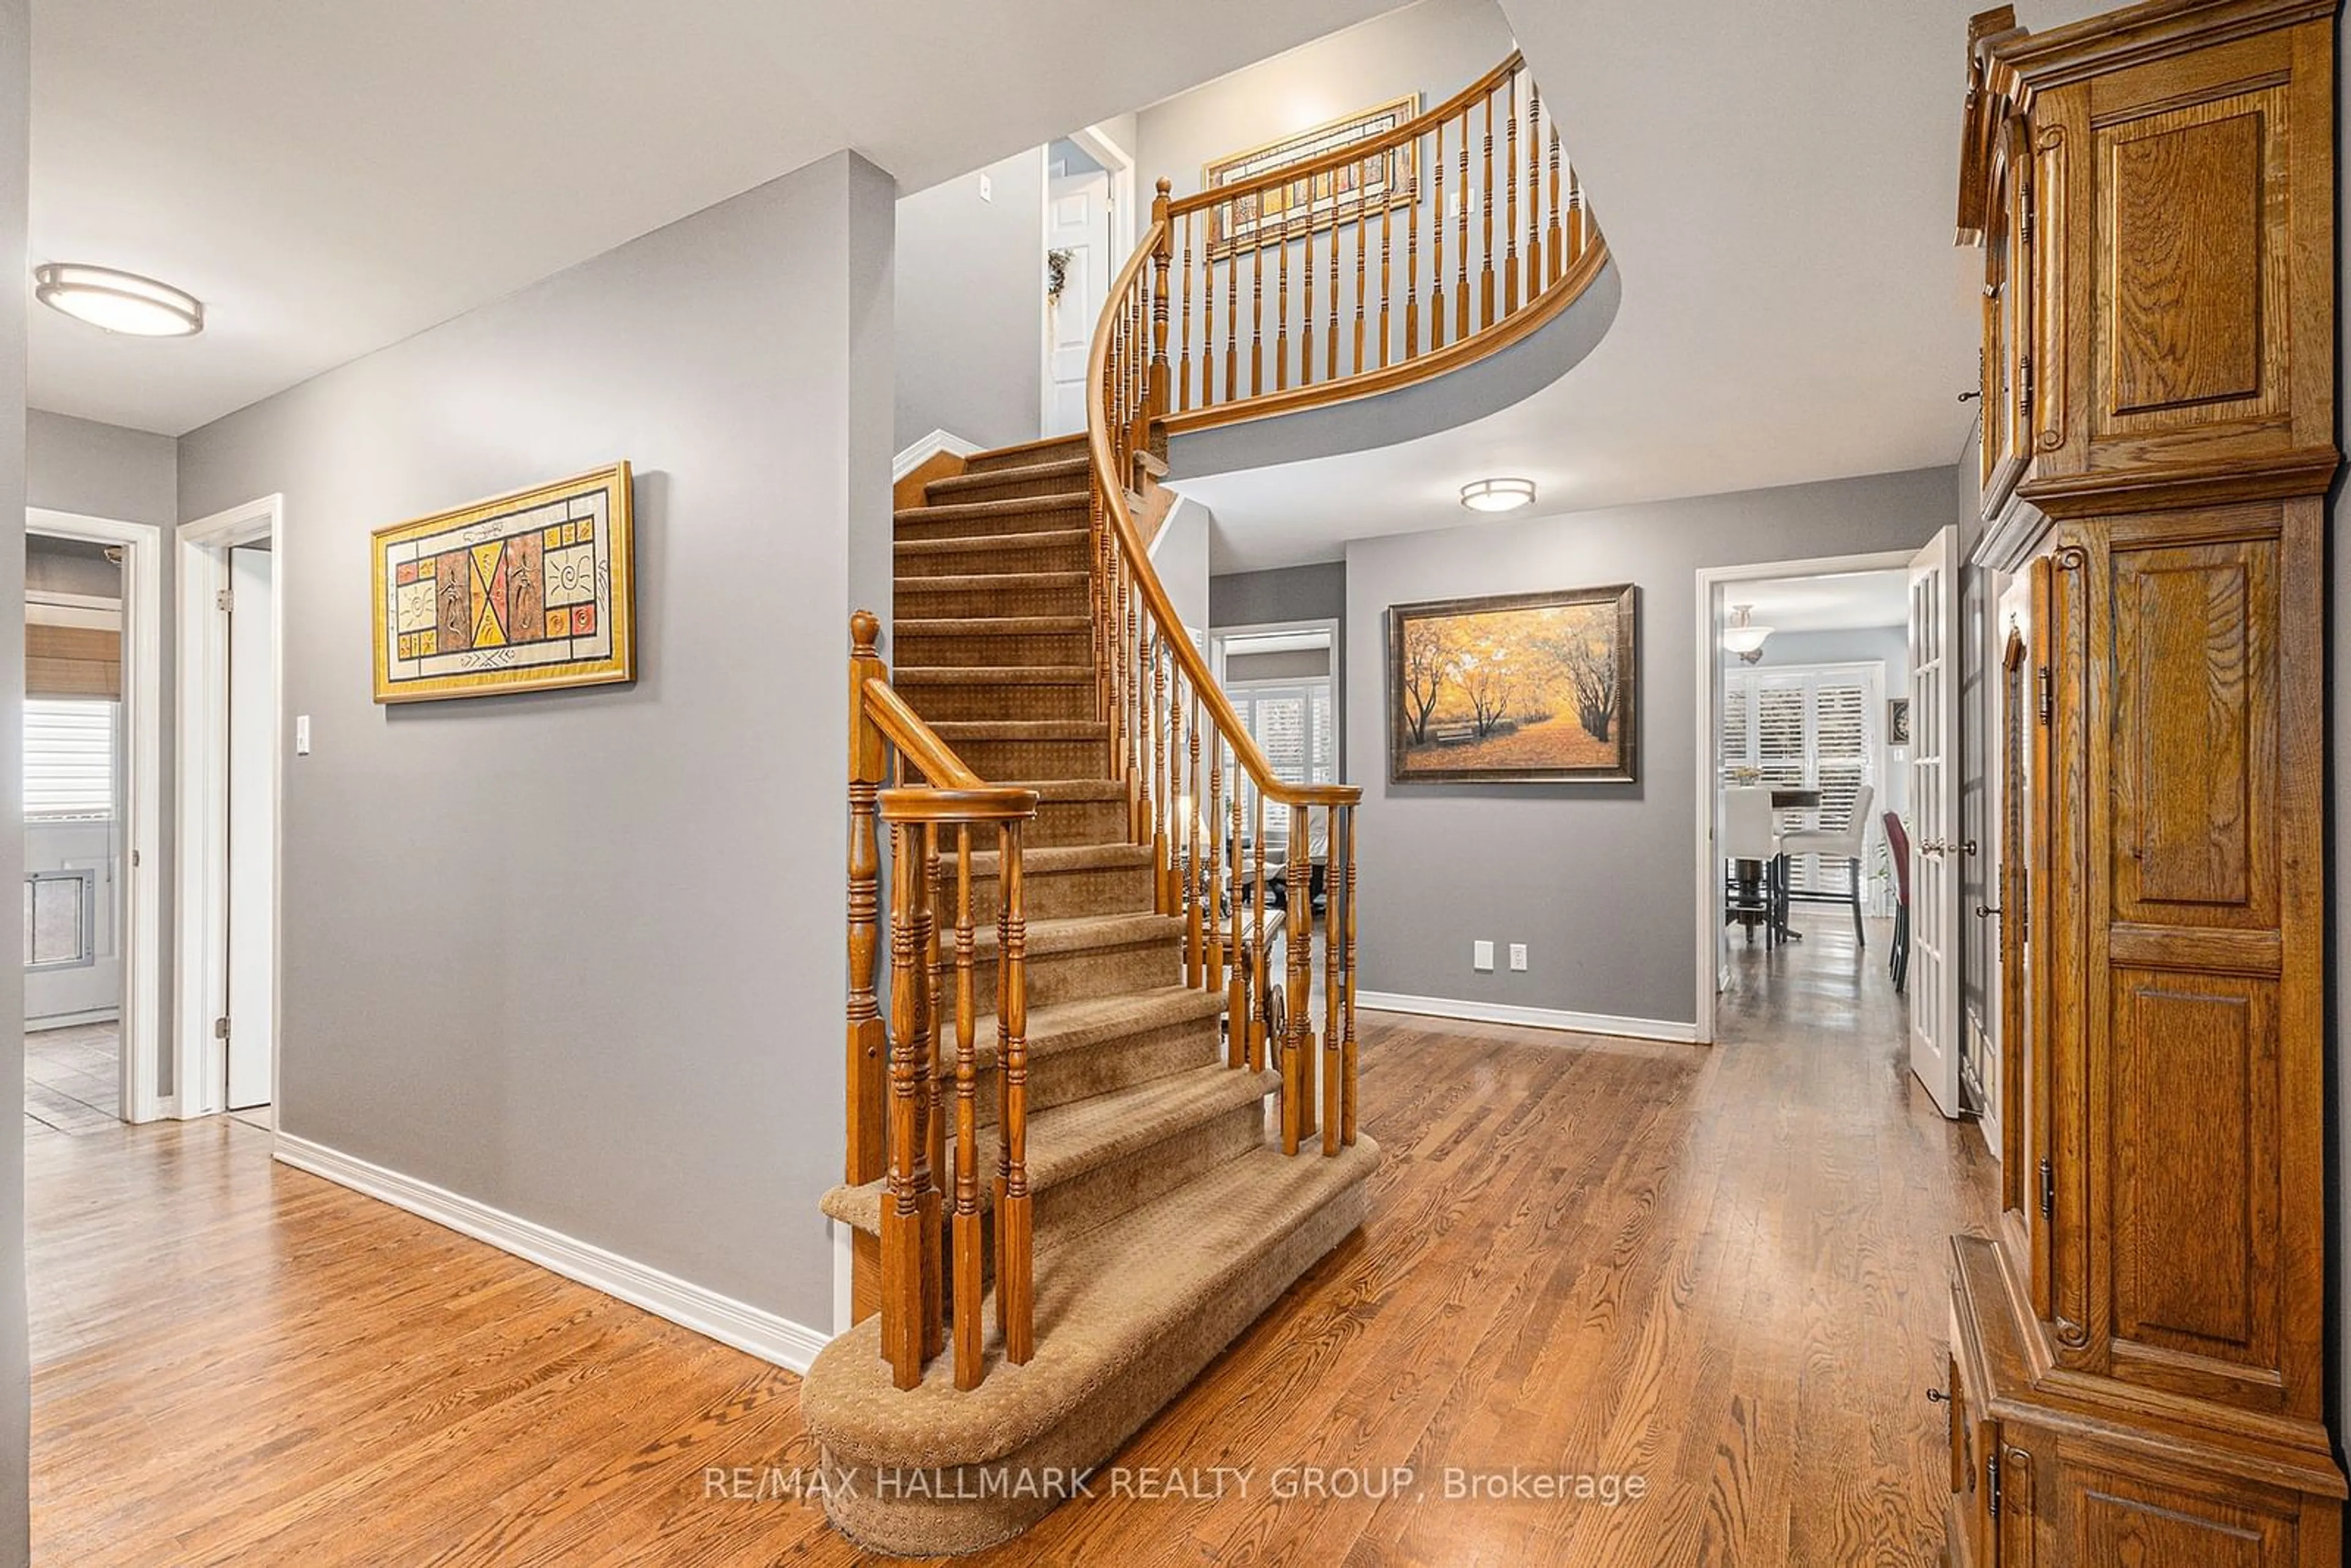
(1837, 845)
(1749, 836)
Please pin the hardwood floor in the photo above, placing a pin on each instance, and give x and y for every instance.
(1718, 1272)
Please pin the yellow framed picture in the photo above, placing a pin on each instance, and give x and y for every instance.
(525, 592)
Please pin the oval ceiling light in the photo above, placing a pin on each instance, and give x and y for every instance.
(1498, 494)
(118, 302)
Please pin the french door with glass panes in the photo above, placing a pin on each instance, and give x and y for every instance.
(1807, 726)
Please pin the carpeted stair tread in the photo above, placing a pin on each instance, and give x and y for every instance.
(1067, 1141)
(992, 674)
(1026, 454)
(993, 625)
(1104, 1298)
(1007, 582)
(1061, 476)
(1048, 860)
(984, 545)
(1082, 933)
(954, 730)
(1073, 503)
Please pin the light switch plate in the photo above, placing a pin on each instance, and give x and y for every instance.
(1481, 956)
(301, 735)
(1518, 957)
(987, 189)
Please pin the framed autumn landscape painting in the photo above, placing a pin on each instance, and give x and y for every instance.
(1524, 688)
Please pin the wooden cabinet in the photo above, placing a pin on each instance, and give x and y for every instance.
(2144, 1336)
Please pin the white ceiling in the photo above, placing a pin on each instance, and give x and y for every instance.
(1848, 601)
(1778, 186)
(331, 177)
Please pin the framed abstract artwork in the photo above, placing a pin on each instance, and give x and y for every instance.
(1523, 688)
(525, 592)
(1346, 194)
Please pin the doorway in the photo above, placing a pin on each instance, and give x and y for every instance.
(232, 745)
(1089, 202)
(1803, 676)
(92, 792)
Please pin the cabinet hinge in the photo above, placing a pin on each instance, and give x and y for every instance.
(2048, 1191)
(220, 1027)
(2024, 392)
(2025, 909)
(1992, 1483)
(2041, 684)
(2024, 229)
(226, 600)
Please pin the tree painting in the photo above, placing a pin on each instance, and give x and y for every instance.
(1522, 688)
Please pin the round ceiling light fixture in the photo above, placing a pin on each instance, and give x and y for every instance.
(1743, 637)
(117, 301)
(1498, 494)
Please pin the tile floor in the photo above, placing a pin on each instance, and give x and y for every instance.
(70, 1079)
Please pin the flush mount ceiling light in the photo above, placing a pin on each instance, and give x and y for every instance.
(118, 302)
(1743, 637)
(1498, 494)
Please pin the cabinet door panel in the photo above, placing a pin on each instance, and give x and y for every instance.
(2119, 1518)
(2195, 751)
(2196, 1243)
(2187, 247)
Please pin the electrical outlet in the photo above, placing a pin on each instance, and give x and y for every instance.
(1481, 956)
(1518, 957)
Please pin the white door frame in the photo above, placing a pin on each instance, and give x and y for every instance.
(201, 941)
(1096, 143)
(142, 727)
(1711, 581)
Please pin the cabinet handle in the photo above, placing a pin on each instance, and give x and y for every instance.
(1987, 912)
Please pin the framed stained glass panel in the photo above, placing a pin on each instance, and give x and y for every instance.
(1347, 191)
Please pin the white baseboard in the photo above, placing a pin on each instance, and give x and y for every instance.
(1532, 1018)
(706, 1312)
(926, 447)
(72, 1021)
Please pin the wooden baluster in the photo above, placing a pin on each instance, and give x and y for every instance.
(1534, 189)
(1461, 262)
(1196, 949)
(1579, 218)
(1551, 258)
(1236, 991)
(967, 1235)
(1015, 1280)
(1207, 326)
(1212, 890)
(1411, 156)
(1306, 307)
(1172, 888)
(1282, 313)
(1257, 314)
(1436, 237)
(866, 1153)
(1258, 980)
(1161, 398)
(1334, 1076)
(1232, 309)
(1183, 353)
(1510, 217)
(1138, 800)
(1159, 774)
(1330, 346)
(1347, 1040)
(1387, 215)
(902, 1203)
(1298, 941)
(1485, 214)
(935, 1110)
(1363, 260)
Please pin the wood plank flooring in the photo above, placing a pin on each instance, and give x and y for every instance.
(1718, 1272)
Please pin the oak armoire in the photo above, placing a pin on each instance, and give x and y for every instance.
(2137, 1356)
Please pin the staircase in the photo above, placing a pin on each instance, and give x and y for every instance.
(1167, 1220)
(1112, 1116)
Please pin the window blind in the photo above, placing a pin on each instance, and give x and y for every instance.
(1809, 728)
(70, 758)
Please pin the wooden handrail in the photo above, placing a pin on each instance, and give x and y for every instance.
(905, 730)
(1411, 130)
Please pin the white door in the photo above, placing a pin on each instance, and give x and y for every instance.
(1078, 221)
(1934, 980)
(251, 1006)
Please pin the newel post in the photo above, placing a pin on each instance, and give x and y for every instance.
(865, 1144)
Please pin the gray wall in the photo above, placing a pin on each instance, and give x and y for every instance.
(1434, 48)
(1596, 879)
(577, 955)
(70, 566)
(1316, 592)
(971, 306)
(127, 476)
(15, 1353)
